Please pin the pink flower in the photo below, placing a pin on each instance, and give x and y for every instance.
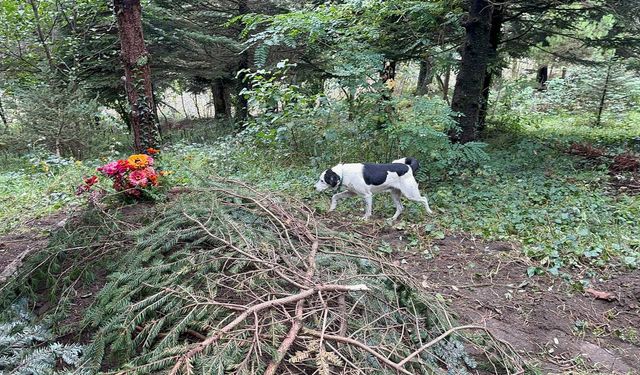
(150, 161)
(109, 169)
(138, 178)
(123, 166)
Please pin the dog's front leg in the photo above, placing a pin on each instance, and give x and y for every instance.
(337, 197)
(368, 201)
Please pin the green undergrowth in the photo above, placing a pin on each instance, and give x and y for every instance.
(37, 189)
(558, 206)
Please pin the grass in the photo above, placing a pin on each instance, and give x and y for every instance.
(33, 191)
(556, 205)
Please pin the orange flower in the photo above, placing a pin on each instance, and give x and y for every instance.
(152, 151)
(138, 161)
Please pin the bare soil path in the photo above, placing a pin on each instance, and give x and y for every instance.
(552, 324)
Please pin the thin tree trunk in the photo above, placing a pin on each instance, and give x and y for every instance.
(425, 76)
(135, 60)
(603, 96)
(226, 92)
(195, 103)
(41, 36)
(219, 94)
(242, 108)
(388, 76)
(3, 116)
(494, 40)
(476, 52)
(184, 106)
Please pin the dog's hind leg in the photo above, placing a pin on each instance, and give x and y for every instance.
(412, 193)
(396, 196)
(368, 201)
(338, 196)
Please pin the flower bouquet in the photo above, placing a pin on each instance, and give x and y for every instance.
(134, 176)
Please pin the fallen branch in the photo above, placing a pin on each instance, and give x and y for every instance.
(186, 358)
(297, 320)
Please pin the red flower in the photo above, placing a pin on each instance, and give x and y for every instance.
(91, 180)
(123, 166)
(152, 151)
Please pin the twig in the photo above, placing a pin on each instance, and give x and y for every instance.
(365, 347)
(438, 339)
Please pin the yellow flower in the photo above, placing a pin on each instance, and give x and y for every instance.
(138, 161)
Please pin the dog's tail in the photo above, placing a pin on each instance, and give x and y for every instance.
(411, 162)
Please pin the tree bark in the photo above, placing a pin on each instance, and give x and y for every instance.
(220, 95)
(476, 52)
(494, 40)
(425, 76)
(137, 80)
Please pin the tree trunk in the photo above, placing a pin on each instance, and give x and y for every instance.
(135, 60)
(220, 96)
(195, 104)
(242, 107)
(494, 40)
(424, 77)
(388, 76)
(603, 96)
(476, 54)
(543, 76)
(3, 116)
(41, 36)
(444, 84)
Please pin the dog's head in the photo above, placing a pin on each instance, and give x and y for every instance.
(328, 179)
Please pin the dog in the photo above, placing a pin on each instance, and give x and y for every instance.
(365, 179)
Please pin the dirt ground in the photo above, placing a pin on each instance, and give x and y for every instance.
(33, 235)
(549, 322)
(544, 318)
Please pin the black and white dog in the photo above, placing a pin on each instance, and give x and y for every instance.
(365, 179)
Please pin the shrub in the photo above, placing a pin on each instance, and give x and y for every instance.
(61, 120)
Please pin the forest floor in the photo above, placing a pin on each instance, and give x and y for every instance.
(549, 322)
(556, 327)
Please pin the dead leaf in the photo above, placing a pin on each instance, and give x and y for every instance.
(601, 295)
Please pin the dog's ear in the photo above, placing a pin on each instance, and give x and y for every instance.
(331, 178)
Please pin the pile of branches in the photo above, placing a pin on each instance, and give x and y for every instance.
(231, 280)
